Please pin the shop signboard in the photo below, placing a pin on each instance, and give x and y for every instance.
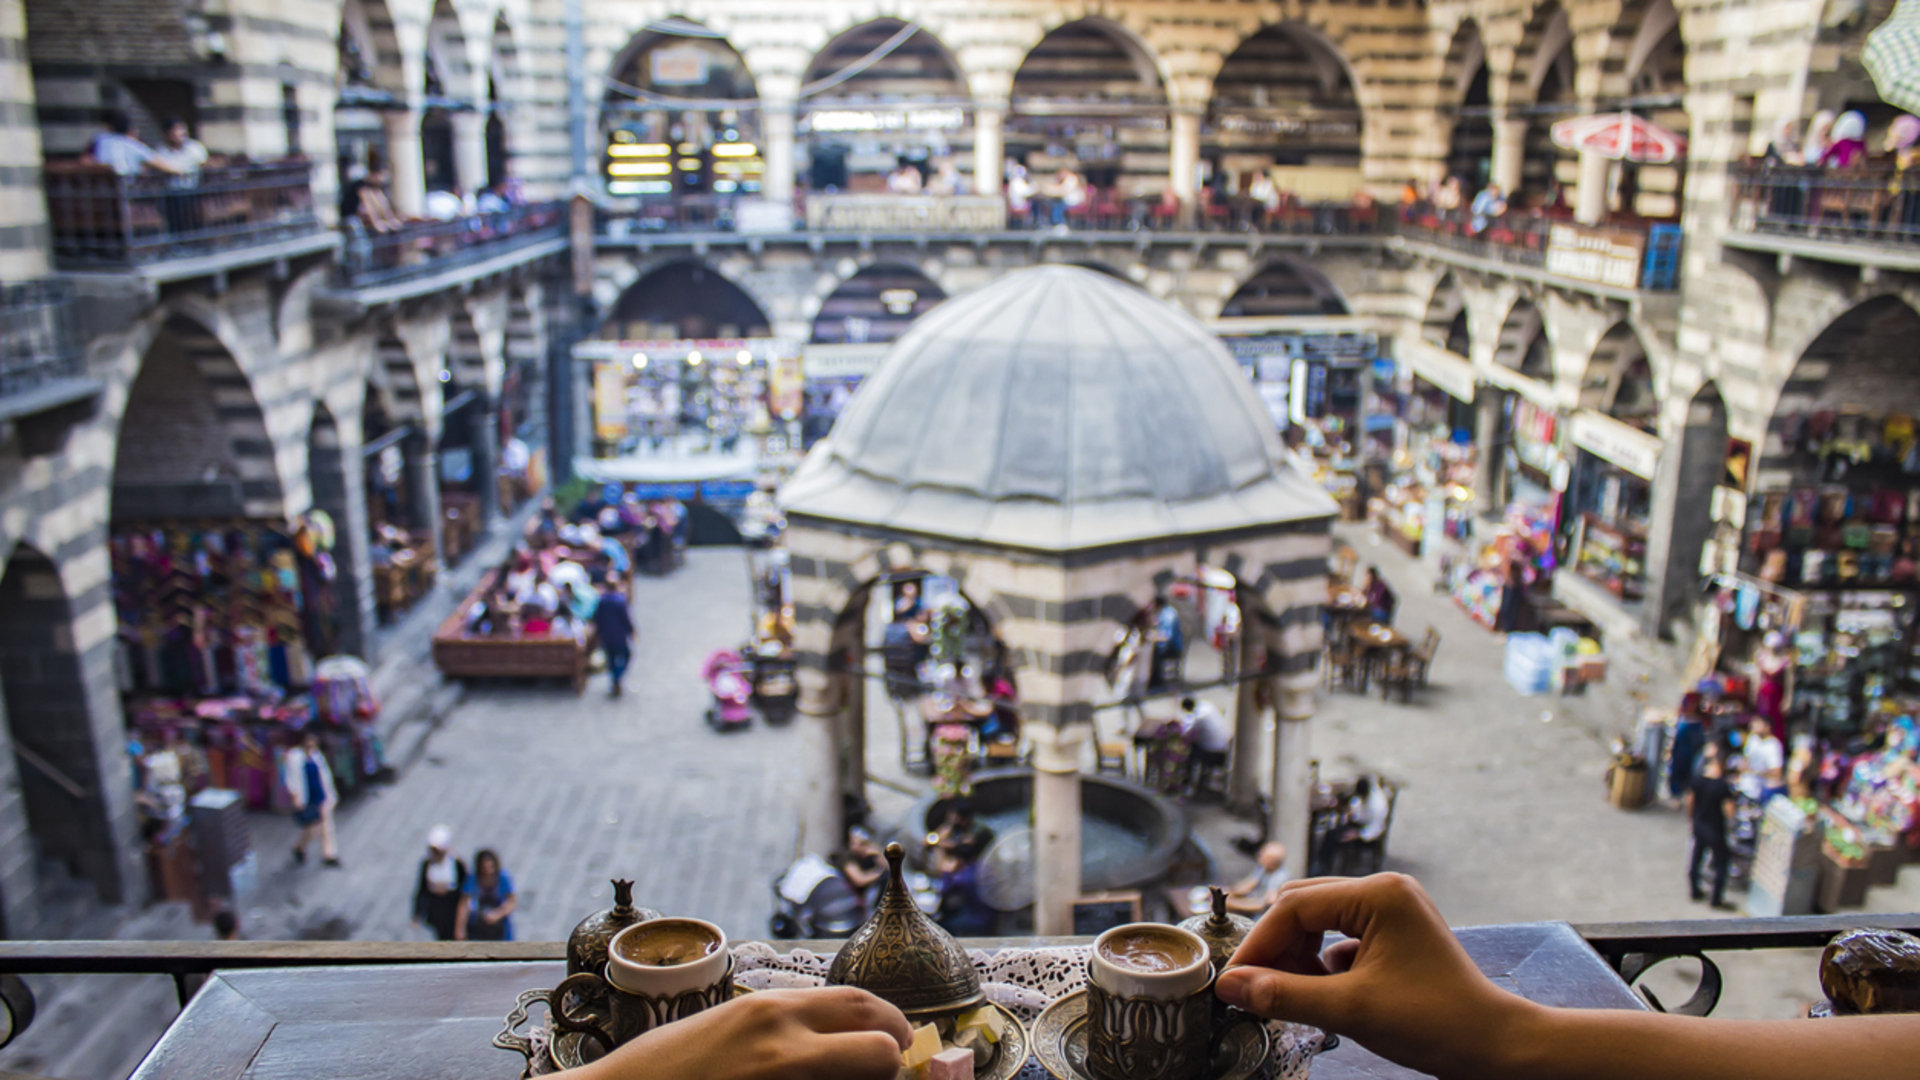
(609, 400)
(1622, 444)
(906, 213)
(1532, 389)
(1607, 256)
(845, 361)
(1444, 368)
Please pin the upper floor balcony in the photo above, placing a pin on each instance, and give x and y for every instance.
(423, 257)
(169, 228)
(1867, 217)
(1621, 260)
(44, 387)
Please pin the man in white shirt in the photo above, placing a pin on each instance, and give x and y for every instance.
(1764, 761)
(182, 155)
(1208, 732)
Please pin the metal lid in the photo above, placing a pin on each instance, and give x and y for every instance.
(1223, 932)
(901, 956)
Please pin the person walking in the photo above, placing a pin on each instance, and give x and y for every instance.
(614, 621)
(309, 783)
(486, 909)
(1709, 800)
(441, 891)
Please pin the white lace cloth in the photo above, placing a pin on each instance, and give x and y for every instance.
(1023, 981)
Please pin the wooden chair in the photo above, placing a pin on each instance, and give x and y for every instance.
(1422, 657)
(1110, 755)
(1345, 562)
(1345, 663)
(1406, 669)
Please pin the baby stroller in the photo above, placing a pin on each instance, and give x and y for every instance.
(731, 681)
(812, 900)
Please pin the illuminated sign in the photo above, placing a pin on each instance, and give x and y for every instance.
(950, 119)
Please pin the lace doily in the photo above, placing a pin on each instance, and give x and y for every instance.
(1023, 981)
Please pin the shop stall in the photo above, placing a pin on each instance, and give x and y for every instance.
(1608, 504)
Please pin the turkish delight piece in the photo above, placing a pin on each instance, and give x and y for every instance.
(955, 1063)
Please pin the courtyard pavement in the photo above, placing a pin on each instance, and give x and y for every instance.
(1502, 812)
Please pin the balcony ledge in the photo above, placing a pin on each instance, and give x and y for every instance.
(356, 301)
(212, 264)
(645, 241)
(1522, 272)
(1846, 253)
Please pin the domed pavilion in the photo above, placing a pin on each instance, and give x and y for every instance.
(1064, 446)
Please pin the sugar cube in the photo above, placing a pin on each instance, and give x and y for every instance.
(955, 1063)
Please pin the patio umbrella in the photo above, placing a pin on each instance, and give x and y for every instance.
(1892, 57)
(1621, 136)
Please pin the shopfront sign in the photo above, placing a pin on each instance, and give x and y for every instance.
(906, 213)
(1606, 256)
(838, 361)
(1530, 388)
(1622, 444)
(1444, 368)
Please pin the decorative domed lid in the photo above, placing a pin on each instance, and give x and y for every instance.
(1056, 409)
(587, 947)
(901, 956)
(1221, 930)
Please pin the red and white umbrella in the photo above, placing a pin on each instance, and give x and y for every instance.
(1621, 136)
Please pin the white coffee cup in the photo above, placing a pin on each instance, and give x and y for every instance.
(668, 980)
(1174, 984)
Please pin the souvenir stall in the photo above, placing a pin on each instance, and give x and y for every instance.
(1852, 661)
(1519, 553)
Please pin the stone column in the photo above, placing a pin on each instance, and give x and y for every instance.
(470, 150)
(989, 149)
(1590, 197)
(423, 486)
(1290, 815)
(776, 131)
(1486, 430)
(820, 813)
(338, 475)
(1186, 159)
(1249, 721)
(485, 441)
(1509, 153)
(408, 190)
(1056, 825)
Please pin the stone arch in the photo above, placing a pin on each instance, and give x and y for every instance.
(1466, 89)
(332, 492)
(920, 51)
(1543, 84)
(876, 304)
(450, 57)
(1313, 74)
(398, 430)
(1701, 465)
(1621, 51)
(1524, 345)
(523, 390)
(1287, 285)
(56, 783)
(1047, 67)
(700, 73)
(697, 298)
(371, 54)
(193, 439)
(1445, 322)
(1619, 378)
(1863, 357)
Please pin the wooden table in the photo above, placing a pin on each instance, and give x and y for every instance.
(406, 1022)
(1374, 641)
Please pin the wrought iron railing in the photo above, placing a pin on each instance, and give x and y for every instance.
(103, 220)
(1633, 254)
(425, 248)
(36, 335)
(1879, 205)
(1515, 238)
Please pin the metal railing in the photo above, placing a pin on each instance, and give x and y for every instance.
(103, 220)
(1877, 205)
(425, 248)
(1638, 254)
(1515, 238)
(36, 335)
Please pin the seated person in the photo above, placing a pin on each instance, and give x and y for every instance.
(1257, 891)
(863, 865)
(1206, 731)
(964, 912)
(1380, 598)
(961, 833)
(1367, 812)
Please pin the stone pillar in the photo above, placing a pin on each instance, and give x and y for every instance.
(776, 131)
(1590, 197)
(989, 149)
(1486, 432)
(485, 442)
(1509, 153)
(1290, 817)
(337, 475)
(1249, 721)
(1186, 160)
(820, 813)
(408, 189)
(423, 486)
(1056, 825)
(470, 150)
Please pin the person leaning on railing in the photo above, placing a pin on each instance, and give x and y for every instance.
(1400, 985)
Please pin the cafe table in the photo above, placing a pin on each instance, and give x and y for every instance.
(436, 1021)
(1374, 641)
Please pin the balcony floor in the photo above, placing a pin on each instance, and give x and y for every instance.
(1904, 258)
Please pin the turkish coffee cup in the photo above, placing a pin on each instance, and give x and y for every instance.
(672, 972)
(1149, 1004)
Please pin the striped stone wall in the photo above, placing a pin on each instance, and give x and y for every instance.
(23, 210)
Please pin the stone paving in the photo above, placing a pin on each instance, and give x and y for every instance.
(1502, 813)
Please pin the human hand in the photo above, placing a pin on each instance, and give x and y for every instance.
(1402, 985)
(833, 1033)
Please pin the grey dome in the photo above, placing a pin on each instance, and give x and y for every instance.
(1056, 409)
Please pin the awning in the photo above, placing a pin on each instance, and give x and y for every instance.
(1620, 136)
(1622, 444)
(1444, 368)
(1892, 57)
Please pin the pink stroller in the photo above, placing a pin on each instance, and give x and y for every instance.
(731, 681)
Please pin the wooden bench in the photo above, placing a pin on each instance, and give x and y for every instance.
(462, 655)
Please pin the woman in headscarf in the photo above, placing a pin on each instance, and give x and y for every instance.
(1781, 149)
(1849, 145)
(1815, 146)
(1785, 198)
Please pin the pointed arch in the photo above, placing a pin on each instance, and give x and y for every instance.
(1523, 345)
(1285, 286)
(1445, 322)
(1289, 87)
(1088, 61)
(1619, 378)
(371, 57)
(875, 305)
(691, 298)
(1466, 93)
(677, 84)
(921, 68)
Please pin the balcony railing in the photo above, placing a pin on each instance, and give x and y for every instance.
(426, 248)
(1631, 255)
(1877, 205)
(102, 220)
(36, 335)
